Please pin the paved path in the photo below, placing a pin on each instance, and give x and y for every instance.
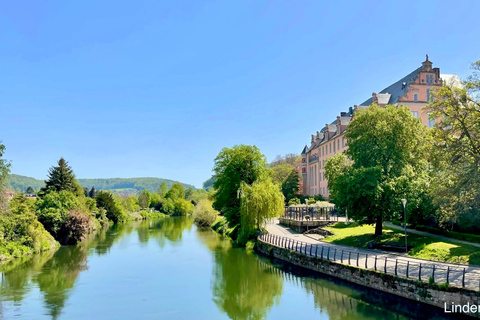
(375, 259)
(436, 236)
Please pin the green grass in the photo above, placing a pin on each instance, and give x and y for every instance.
(423, 246)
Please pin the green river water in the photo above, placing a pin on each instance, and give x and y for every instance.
(170, 269)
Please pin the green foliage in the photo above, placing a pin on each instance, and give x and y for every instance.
(114, 210)
(67, 217)
(456, 187)
(4, 170)
(394, 167)
(137, 184)
(233, 166)
(177, 191)
(208, 185)
(151, 215)
(52, 210)
(155, 200)
(162, 190)
(20, 183)
(293, 201)
(259, 202)
(29, 190)
(204, 215)
(198, 195)
(61, 178)
(168, 206)
(285, 175)
(182, 207)
(144, 199)
(20, 231)
(424, 247)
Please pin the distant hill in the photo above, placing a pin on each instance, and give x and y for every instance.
(21, 183)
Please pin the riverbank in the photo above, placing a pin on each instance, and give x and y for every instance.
(412, 289)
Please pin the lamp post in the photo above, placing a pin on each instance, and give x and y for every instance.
(404, 202)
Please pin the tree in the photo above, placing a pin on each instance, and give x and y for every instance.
(261, 201)
(29, 190)
(286, 176)
(144, 199)
(162, 190)
(394, 167)
(177, 191)
(456, 139)
(114, 211)
(92, 193)
(208, 184)
(242, 163)
(4, 170)
(204, 214)
(60, 178)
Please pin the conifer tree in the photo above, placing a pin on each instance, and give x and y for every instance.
(91, 194)
(60, 178)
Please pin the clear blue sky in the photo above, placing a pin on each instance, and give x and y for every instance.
(158, 88)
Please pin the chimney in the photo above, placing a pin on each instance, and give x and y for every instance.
(374, 98)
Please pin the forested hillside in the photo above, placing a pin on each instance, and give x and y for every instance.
(21, 183)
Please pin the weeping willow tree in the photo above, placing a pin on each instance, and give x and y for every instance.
(260, 201)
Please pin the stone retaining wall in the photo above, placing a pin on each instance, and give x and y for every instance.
(406, 288)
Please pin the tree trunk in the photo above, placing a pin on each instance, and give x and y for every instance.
(378, 227)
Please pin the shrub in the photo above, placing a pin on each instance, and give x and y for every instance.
(20, 231)
(114, 210)
(396, 222)
(182, 207)
(77, 227)
(204, 214)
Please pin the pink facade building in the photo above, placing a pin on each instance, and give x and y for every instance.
(413, 91)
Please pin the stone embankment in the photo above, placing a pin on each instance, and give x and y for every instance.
(432, 294)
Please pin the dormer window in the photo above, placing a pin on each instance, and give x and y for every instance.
(429, 78)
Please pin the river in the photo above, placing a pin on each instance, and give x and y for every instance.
(170, 269)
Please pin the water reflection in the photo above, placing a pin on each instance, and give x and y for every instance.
(55, 273)
(242, 286)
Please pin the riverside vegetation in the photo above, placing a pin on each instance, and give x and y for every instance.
(65, 213)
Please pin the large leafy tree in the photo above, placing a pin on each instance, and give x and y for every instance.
(242, 163)
(456, 187)
(162, 190)
(177, 191)
(4, 170)
(144, 199)
(260, 201)
(389, 150)
(61, 178)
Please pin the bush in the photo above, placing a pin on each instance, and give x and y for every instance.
(204, 214)
(462, 236)
(114, 210)
(20, 231)
(77, 227)
(151, 215)
(182, 207)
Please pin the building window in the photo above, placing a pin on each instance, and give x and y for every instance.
(338, 144)
(415, 114)
(333, 146)
(330, 147)
(415, 96)
(431, 122)
(343, 142)
(323, 163)
(315, 170)
(429, 96)
(323, 153)
(429, 78)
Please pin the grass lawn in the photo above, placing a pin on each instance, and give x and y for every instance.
(423, 246)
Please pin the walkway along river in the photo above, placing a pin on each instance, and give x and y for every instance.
(170, 269)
